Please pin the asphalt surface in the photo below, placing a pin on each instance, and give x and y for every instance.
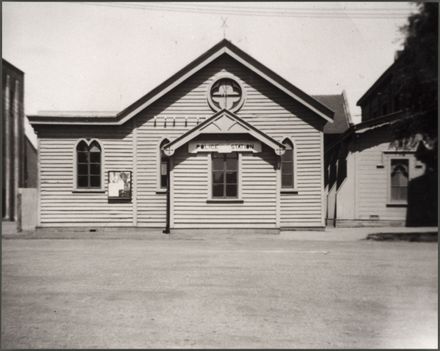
(262, 291)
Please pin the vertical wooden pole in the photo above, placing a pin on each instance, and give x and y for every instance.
(16, 114)
(135, 173)
(7, 160)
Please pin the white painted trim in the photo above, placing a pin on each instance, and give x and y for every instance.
(7, 151)
(196, 132)
(239, 172)
(16, 146)
(135, 172)
(75, 188)
(209, 156)
(39, 181)
(270, 80)
(225, 75)
(173, 85)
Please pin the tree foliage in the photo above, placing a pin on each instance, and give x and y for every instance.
(420, 81)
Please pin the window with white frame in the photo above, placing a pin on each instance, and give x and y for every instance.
(163, 168)
(224, 175)
(288, 166)
(88, 165)
(398, 180)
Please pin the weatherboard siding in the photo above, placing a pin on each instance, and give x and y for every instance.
(191, 190)
(372, 182)
(59, 204)
(266, 108)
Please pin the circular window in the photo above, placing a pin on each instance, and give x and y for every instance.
(225, 93)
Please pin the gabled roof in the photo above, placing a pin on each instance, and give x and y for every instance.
(11, 66)
(224, 47)
(342, 118)
(223, 122)
(382, 79)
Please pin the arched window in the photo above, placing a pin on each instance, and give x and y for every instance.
(163, 169)
(288, 166)
(88, 165)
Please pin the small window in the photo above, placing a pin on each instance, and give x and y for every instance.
(88, 168)
(399, 177)
(287, 166)
(163, 169)
(225, 175)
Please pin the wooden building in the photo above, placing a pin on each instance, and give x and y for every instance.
(19, 154)
(371, 179)
(225, 143)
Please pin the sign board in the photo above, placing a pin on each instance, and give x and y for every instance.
(224, 146)
(119, 185)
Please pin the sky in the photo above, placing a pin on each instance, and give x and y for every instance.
(103, 57)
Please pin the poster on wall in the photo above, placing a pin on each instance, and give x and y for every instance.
(119, 185)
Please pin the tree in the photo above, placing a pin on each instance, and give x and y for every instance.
(419, 79)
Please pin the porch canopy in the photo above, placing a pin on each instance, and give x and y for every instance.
(224, 123)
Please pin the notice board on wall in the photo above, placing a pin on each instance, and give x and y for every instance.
(119, 185)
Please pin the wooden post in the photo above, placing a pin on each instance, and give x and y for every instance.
(7, 160)
(16, 114)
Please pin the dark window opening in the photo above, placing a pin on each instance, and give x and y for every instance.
(399, 179)
(225, 175)
(287, 166)
(88, 167)
(163, 166)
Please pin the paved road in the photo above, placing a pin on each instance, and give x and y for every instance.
(262, 291)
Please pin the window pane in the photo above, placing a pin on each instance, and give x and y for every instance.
(83, 169)
(163, 168)
(287, 181)
(399, 193)
(287, 167)
(231, 164)
(288, 145)
(95, 157)
(218, 177)
(82, 156)
(95, 148)
(404, 193)
(82, 146)
(83, 181)
(217, 164)
(288, 156)
(231, 177)
(231, 190)
(95, 168)
(217, 190)
(399, 179)
(95, 181)
(163, 181)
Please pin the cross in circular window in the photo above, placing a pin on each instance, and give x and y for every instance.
(226, 94)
